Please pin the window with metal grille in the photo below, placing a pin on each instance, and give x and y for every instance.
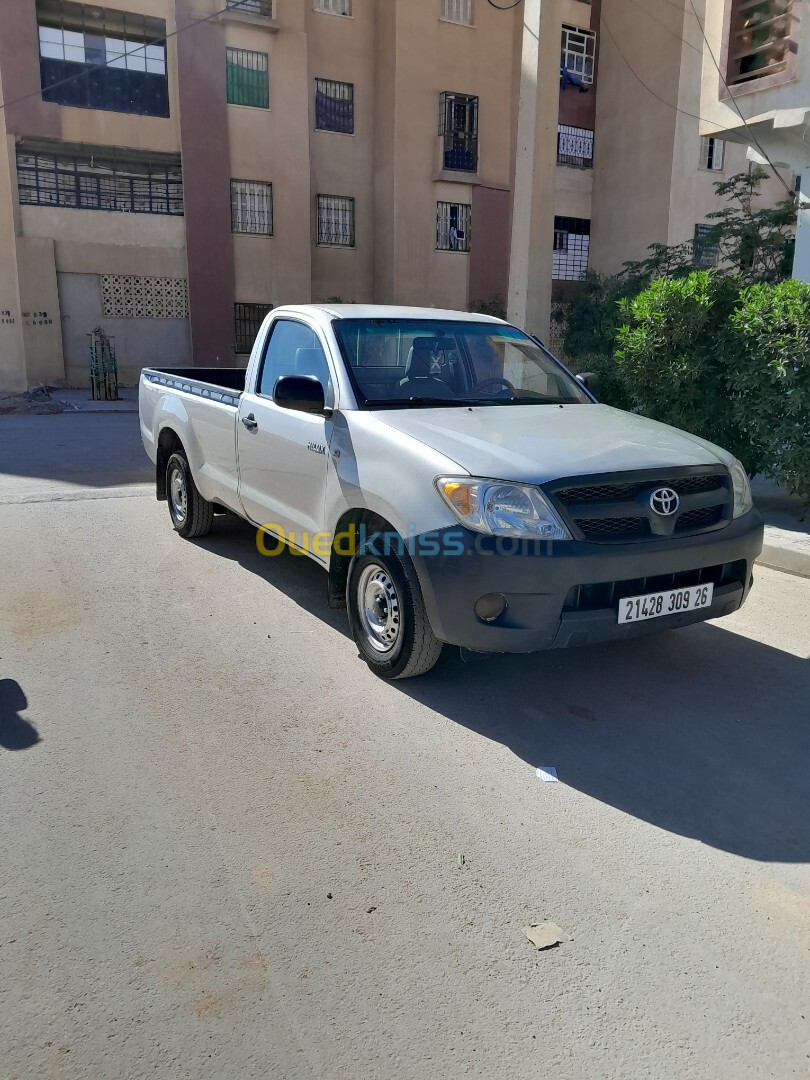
(706, 252)
(457, 11)
(252, 7)
(452, 226)
(574, 146)
(762, 39)
(247, 78)
(458, 126)
(334, 106)
(94, 58)
(252, 207)
(134, 184)
(571, 241)
(712, 152)
(334, 7)
(247, 319)
(336, 220)
(577, 51)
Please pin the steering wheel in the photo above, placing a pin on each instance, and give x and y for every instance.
(494, 382)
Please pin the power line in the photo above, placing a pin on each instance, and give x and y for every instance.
(649, 89)
(734, 101)
(507, 7)
(684, 112)
(100, 67)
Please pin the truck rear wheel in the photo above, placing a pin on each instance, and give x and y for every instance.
(387, 616)
(191, 514)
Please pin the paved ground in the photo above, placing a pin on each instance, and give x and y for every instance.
(230, 852)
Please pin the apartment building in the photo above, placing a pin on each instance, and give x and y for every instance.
(755, 92)
(174, 168)
(657, 183)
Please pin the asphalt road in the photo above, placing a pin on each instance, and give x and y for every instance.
(228, 851)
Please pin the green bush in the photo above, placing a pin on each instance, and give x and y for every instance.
(769, 377)
(675, 354)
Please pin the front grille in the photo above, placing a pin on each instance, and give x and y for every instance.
(597, 528)
(617, 508)
(606, 594)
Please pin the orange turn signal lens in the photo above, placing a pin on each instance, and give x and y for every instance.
(460, 496)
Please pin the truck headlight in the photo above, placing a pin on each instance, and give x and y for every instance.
(742, 489)
(501, 509)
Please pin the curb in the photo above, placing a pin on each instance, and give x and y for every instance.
(789, 562)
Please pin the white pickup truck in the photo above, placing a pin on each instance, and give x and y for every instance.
(458, 484)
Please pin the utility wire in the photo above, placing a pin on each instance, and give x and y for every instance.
(685, 112)
(499, 7)
(100, 67)
(755, 141)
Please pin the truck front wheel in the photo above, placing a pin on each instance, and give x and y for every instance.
(191, 514)
(387, 616)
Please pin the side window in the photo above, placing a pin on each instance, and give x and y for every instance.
(293, 349)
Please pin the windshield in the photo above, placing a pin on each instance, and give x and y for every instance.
(403, 363)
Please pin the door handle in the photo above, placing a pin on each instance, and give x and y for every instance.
(250, 422)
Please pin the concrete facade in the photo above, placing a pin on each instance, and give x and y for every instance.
(537, 219)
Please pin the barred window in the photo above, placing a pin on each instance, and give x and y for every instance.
(252, 7)
(706, 253)
(571, 242)
(252, 207)
(762, 39)
(712, 152)
(247, 320)
(578, 48)
(334, 106)
(452, 226)
(89, 181)
(574, 146)
(248, 81)
(457, 11)
(95, 58)
(334, 7)
(458, 126)
(336, 220)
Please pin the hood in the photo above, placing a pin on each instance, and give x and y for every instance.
(534, 444)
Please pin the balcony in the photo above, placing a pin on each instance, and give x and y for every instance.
(574, 146)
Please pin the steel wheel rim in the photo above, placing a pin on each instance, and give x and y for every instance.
(178, 496)
(378, 608)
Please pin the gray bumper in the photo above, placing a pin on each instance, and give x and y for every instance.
(546, 610)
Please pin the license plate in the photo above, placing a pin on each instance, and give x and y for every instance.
(672, 602)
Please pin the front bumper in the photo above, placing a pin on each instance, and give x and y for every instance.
(539, 580)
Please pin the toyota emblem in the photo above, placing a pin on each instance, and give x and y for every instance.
(665, 501)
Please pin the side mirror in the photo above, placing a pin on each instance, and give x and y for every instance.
(303, 393)
(590, 380)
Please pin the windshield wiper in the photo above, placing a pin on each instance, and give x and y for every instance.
(405, 401)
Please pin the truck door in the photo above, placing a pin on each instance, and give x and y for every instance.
(282, 454)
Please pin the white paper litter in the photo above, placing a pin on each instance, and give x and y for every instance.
(545, 935)
(548, 773)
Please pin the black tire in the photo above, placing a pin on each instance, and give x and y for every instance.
(191, 514)
(404, 644)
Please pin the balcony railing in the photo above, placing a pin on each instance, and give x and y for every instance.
(574, 146)
(252, 7)
(460, 151)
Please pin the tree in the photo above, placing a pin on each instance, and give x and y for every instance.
(754, 243)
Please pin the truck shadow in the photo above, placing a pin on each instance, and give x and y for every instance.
(699, 731)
